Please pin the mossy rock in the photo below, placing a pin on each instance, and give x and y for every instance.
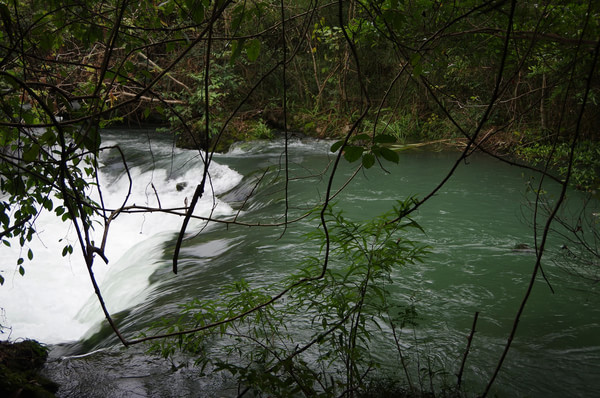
(19, 366)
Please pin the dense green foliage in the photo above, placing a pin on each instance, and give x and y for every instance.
(505, 77)
(586, 161)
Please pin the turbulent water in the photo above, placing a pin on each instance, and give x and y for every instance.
(472, 225)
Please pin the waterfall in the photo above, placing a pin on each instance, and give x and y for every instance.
(54, 301)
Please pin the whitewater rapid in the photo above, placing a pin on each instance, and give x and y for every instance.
(54, 301)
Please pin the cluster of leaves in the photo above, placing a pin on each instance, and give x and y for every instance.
(585, 166)
(318, 338)
(47, 160)
(38, 174)
(369, 149)
(222, 89)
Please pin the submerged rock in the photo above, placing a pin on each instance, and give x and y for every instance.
(523, 248)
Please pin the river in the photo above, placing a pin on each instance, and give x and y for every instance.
(472, 226)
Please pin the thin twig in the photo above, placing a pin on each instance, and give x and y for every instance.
(469, 341)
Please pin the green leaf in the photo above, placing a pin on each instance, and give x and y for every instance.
(21, 270)
(93, 34)
(48, 205)
(385, 139)
(337, 145)
(6, 20)
(48, 137)
(253, 49)
(389, 155)
(67, 250)
(414, 224)
(109, 74)
(361, 137)
(5, 137)
(146, 74)
(47, 42)
(196, 9)
(129, 66)
(415, 61)
(353, 153)
(368, 160)
(1, 280)
(91, 140)
(418, 70)
(32, 153)
(29, 254)
(236, 50)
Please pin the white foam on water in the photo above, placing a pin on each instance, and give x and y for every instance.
(55, 302)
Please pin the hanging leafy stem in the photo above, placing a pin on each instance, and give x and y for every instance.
(41, 166)
(368, 148)
(318, 338)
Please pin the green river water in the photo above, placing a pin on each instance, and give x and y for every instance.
(472, 226)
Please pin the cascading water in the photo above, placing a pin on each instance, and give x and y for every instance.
(54, 301)
(472, 225)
